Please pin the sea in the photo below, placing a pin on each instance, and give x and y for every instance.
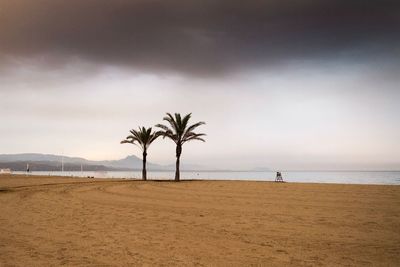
(338, 177)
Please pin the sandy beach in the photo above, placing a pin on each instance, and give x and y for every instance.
(51, 221)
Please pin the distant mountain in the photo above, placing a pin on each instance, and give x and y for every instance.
(40, 157)
(52, 166)
(136, 163)
(49, 162)
(131, 162)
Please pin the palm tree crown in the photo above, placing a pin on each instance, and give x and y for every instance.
(180, 132)
(142, 138)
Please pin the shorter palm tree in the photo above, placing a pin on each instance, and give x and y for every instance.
(180, 132)
(142, 138)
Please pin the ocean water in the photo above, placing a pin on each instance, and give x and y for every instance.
(342, 177)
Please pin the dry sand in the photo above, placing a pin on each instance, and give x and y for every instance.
(68, 221)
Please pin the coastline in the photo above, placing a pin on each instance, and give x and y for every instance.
(337, 177)
(80, 221)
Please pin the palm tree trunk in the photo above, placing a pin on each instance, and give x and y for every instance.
(177, 173)
(178, 156)
(144, 171)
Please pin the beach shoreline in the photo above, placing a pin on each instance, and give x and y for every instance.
(48, 220)
(337, 177)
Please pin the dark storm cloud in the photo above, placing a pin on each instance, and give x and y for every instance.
(198, 37)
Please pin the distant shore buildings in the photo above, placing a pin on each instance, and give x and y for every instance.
(5, 171)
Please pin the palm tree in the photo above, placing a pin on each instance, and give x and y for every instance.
(142, 138)
(180, 132)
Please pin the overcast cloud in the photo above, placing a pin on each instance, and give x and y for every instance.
(198, 37)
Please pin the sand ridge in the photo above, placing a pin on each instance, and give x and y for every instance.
(92, 222)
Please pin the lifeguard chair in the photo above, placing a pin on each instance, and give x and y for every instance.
(279, 177)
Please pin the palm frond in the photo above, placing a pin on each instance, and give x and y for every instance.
(179, 131)
(153, 136)
(142, 137)
(194, 138)
(185, 121)
(191, 128)
(171, 121)
(182, 123)
(165, 128)
(178, 120)
(166, 132)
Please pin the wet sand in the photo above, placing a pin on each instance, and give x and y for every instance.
(90, 222)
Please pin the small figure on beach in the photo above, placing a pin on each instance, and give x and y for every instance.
(278, 177)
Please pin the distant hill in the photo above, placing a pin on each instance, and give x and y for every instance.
(49, 162)
(52, 166)
(130, 162)
(39, 157)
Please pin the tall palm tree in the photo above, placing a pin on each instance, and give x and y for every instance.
(142, 138)
(180, 132)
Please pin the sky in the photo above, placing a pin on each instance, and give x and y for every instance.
(295, 85)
